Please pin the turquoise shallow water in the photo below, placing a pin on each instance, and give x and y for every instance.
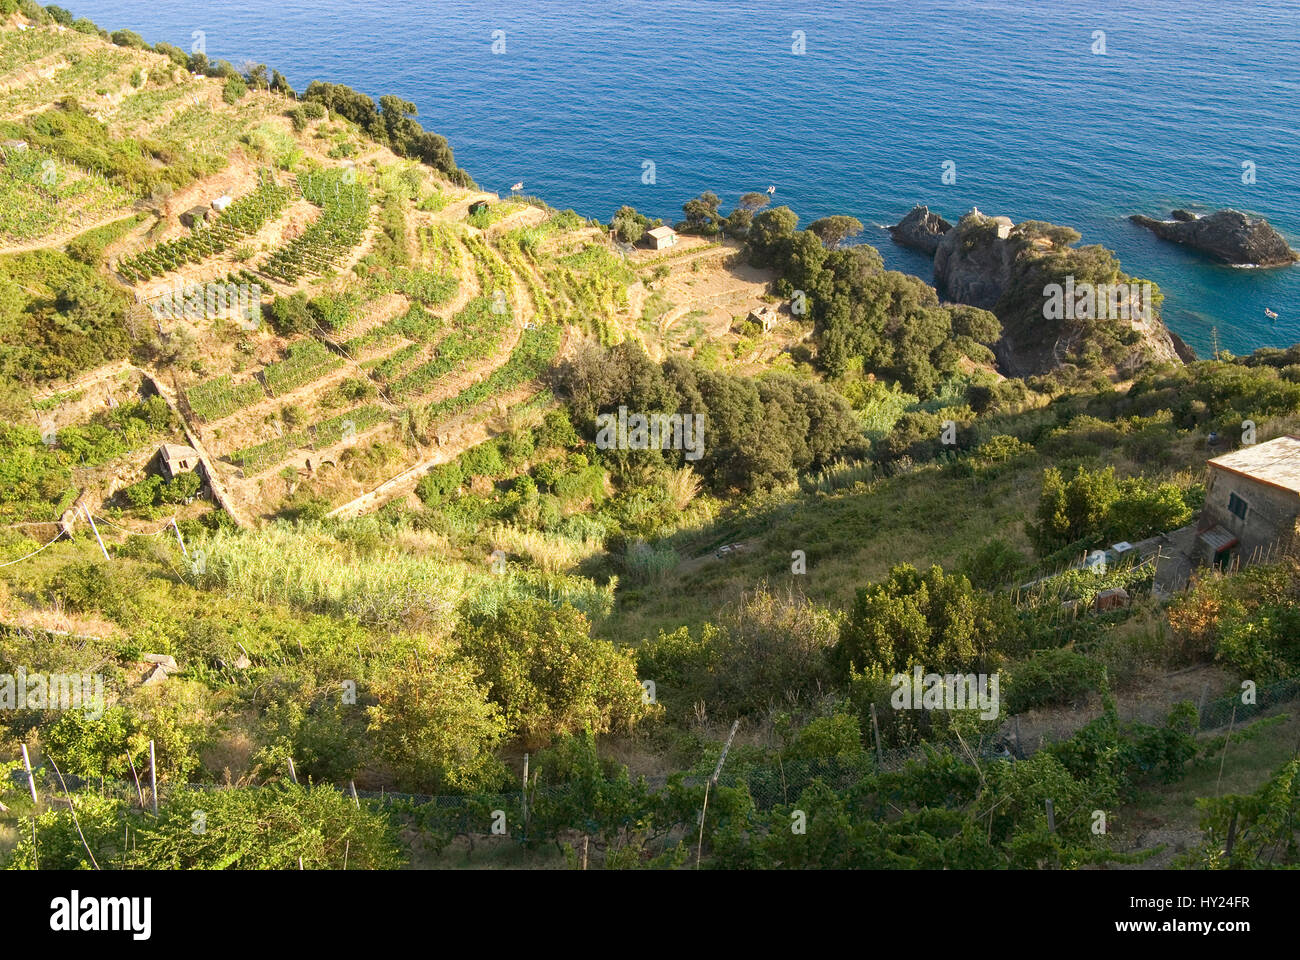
(1038, 126)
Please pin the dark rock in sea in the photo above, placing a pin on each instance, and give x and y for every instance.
(1227, 235)
(1182, 348)
(1183, 215)
(920, 230)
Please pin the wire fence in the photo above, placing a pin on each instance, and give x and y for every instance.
(1242, 706)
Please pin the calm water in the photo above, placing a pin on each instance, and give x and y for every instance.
(585, 93)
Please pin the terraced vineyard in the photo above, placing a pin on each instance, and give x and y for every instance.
(218, 398)
(345, 212)
(594, 282)
(535, 351)
(440, 249)
(27, 46)
(203, 134)
(518, 248)
(263, 456)
(476, 335)
(139, 110)
(307, 361)
(425, 285)
(417, 324)
(243, 218)
(39, 190)
(257, 458)
(85, 70)
(494, 278)
(396, 365)
(331, 431)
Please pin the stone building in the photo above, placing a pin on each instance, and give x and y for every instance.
(1252, 501)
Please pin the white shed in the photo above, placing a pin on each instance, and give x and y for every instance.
(660, 238)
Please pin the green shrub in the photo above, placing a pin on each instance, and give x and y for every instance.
(233, 90)
(1050, 677)
(993, 565)
(483, 460)
(144, 493)
(440, 483)
(838, 735)
(933, 620)
(541, 665)
(180, 488)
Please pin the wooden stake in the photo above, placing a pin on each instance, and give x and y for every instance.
(352, 789)
(1224, 756)
(153, 778)
(31, 780)
(524, 795)
(717, 771)
(293, 774)
(94, 528)
(184, 552)
(699, 847)
(138, 788)
(73, 808)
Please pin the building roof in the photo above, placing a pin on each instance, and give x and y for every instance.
(1217, 538)
(1276, 463)
(177, 451)
(661, 233)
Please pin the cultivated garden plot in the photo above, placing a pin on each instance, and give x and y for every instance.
(231, 227)
(41, 192)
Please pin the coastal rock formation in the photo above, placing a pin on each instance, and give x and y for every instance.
(972, 263)
(920, 230)
(1060, 307)
(1227, 235)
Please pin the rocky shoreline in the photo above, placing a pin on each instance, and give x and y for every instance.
(1229, 236)
(992, 263)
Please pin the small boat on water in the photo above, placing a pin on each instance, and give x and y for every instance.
(1271, 314)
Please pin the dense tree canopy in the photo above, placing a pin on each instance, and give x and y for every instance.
(757, 431)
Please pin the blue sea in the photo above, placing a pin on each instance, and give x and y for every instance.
(581, 94)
